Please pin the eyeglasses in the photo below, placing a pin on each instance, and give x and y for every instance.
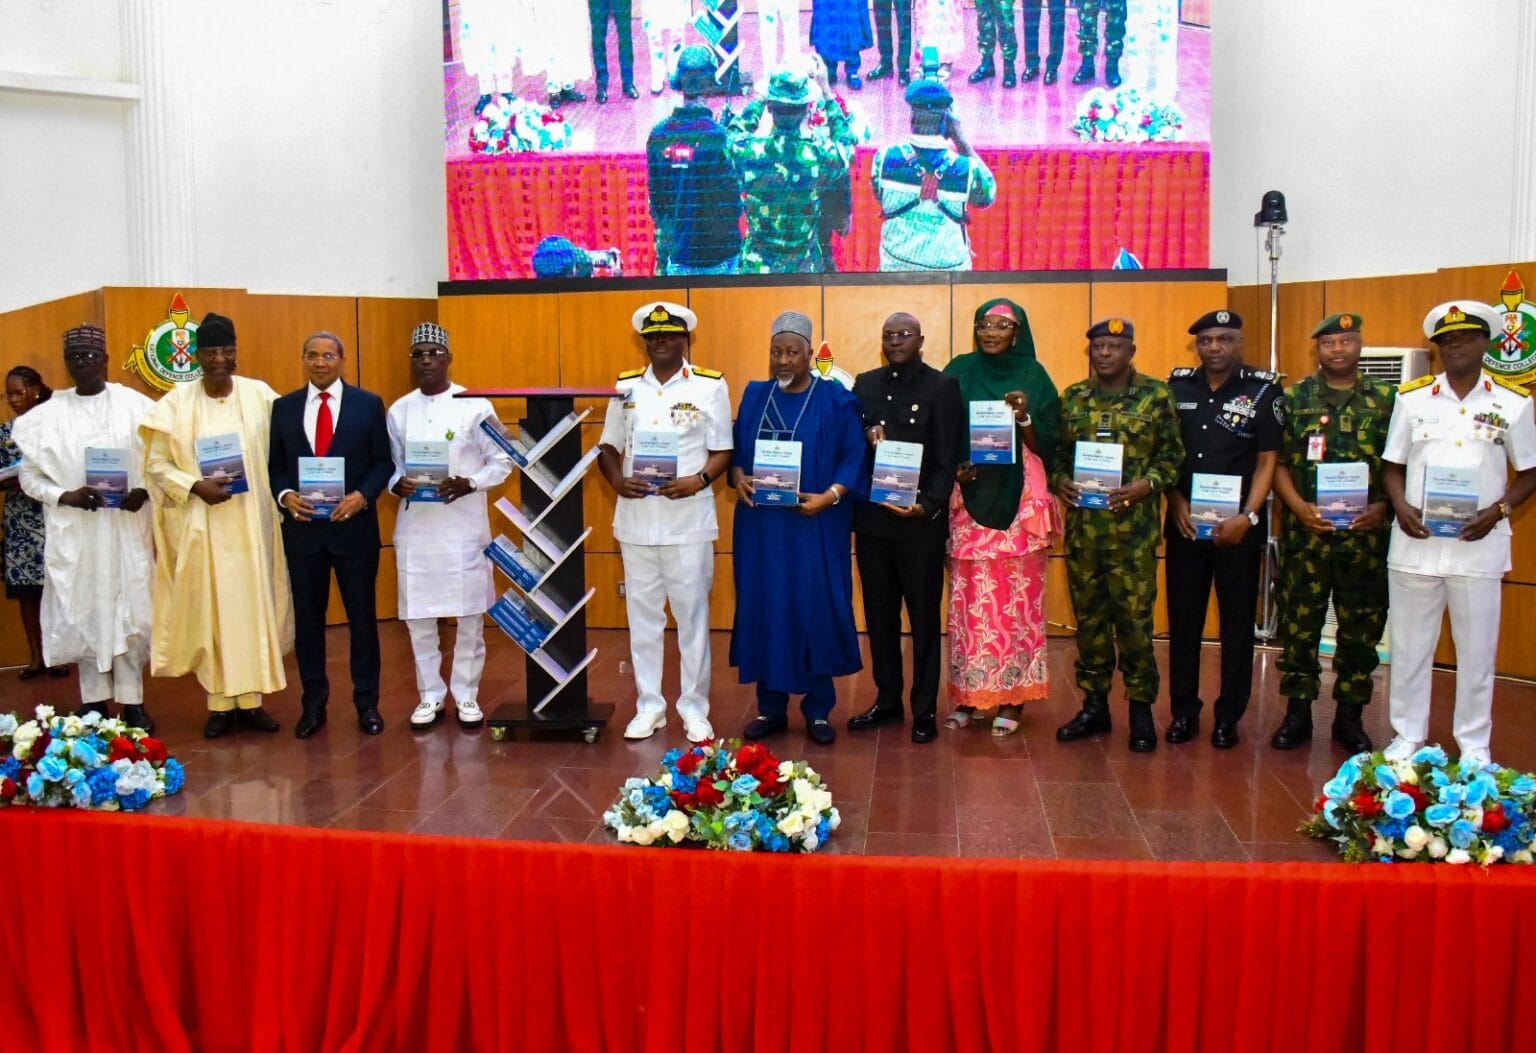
(321, 356)
(898, 334)
(420, 353)
(996, 325)
(82, 356)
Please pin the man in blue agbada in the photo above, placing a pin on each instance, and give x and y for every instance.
(793, 567)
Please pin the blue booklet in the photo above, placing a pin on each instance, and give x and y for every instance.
(897, 466)
(106, 472)
(776, 473)
(1096, 470)
(1343, 491)
(512, 614)
(526, 566)
(323, 483)
(499, 434)
(426, 465)
(219, 461)
(654, 458)
(1213, 498)
(991, 433)
(1450, 499)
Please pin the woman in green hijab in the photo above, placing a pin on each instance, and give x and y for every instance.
(1002, 522)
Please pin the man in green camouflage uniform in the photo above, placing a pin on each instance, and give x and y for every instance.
(790, 159)
(1088, 39)
(1334, 416)
(994, 22)
(1112, 552)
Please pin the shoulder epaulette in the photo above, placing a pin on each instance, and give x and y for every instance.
(1264, 375)
(1509, 385)
(631, 374)
(1182, 372)
(712, 374)
(1416, 383)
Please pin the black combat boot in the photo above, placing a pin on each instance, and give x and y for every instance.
(1143, 731)
(1092, 719)
(1348, 731)
(1296, 729)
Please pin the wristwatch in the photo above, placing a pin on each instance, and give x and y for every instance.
(1253, 519)
(1504, 510)
(1025, 421)
(704, 477)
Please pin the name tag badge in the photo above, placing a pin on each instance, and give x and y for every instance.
(1317, 446)
(1105, 423)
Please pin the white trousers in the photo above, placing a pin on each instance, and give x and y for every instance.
(655, 575)
(1417, 601)
(778, 34)
(468, 658)
(124, 683)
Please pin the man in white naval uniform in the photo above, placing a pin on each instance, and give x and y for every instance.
(1463, 418)
(440, 545)
(666, 533)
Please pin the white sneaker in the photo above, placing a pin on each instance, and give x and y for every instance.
(469, 713)
(645, 725)
(1478, 757)
(1401, 749)
(698, 729)
(426, 713)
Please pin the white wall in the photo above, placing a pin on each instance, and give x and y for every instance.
(318, 166)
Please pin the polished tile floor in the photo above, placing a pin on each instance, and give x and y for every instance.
(967, 794)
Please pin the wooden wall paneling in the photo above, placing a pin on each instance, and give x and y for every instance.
(272, 333)
(1392, 308)
(597, 497)
(1301, 308)
(1483, 283)
(597, 339)
(1058, 318)
(34, 336)
(604, 572)
(384, 327)
(1523, 546)
(1059, 620)
(733, 327)
(130, 313)
(1517, 632)
(1161, 313)
(854, 316)
(722, 598)
(504, 341)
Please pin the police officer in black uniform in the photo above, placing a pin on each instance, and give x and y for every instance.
(1230, 416)
(901, 550)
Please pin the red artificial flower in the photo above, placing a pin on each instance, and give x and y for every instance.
(121, 748)
(688, 761)
(7, 789)
(40, 747)
(1366, 804)
(1322, 799)
(1494, 818)
(707, 795)
(1420, 798)
(154, 750)
(757, 761)
(770, 787)
(686, 801)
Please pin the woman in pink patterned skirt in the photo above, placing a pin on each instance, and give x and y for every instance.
(1002, 521)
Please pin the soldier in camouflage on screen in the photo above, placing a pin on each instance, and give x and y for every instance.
(1336, 415)
(1088, 39)
(1112, 552)
(790, 161)
(994, 25)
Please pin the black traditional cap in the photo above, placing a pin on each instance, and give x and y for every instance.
(1338, 323)
(215, 331)
(1219, 319)
(927, 94)
(86, 337)
(1112, 327)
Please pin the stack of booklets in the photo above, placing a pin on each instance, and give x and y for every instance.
(518, 619)
(526, 566)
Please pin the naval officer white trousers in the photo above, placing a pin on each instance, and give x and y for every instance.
(1417, 602)
(680, 575)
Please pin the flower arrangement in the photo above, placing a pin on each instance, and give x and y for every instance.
(1426, 809)
(1125, 115)
(728, 796)
(512, 126)
(85, 761)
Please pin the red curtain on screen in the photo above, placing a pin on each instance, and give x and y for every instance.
(1057, 209)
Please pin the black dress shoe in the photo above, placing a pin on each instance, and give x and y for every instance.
(925, 728)
(220, 723)
(821, 732)
(880, 72)
(1084, 72)
(904, 78)
(1051, 75)
(1348, 732)
(631, 92)
(602, 95)
(1112, 72)
(1092, 719)
(1224, 735)
(985, 71)
(1143, 737)
(257, 719)
(571, 95)
(1294, 730)
(855, 82)
(1010, 79)
(370, 721)
(1031, 71)
(99, 708)
(309, 723)
(138, 717)
(874, 716)
(761, 727)
(1182, 729)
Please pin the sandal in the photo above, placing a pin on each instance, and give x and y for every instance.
(959, 720)
(1004, 726)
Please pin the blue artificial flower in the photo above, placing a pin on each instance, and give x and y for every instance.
(35, 786)
(744, 785)
(81, 751)
(1453, 793)
(52, 768)
(56, 747)
(1393, 829)
(823, 830)
(103, 783)
(684, 783)
(74, 776)
(777, 842)
(736, 820)
(1440, 814)
(740, 841)
(1481, 787)
(1349, 771)
(1338, 788)
(175, 775)
(1331, 813)
(1385, 778)
(1461, 834)
(1523, 786)
(671, 757)
(1508, 840)
(1430, 755)
(1439, 777)
(656, 797)
(82, 794)
(763, 826)
(10, 768)
(134, 801)
(1400, 805)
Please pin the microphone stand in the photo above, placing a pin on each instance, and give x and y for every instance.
(1268, 625)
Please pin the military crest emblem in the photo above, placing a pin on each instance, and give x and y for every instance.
(1512, 351)
(168, 355)
(825, 368)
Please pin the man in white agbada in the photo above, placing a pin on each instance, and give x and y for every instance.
(440, 545)
(99, 559)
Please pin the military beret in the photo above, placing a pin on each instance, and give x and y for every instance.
(927, 94)
(695, 58)
(1219, 319)
(1462, 315)
(1338, 323)
(792, 322)
(1112, 327)
(215, 331)
(788, 87)
(663, 317)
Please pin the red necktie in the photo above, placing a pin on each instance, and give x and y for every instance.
(324, 426)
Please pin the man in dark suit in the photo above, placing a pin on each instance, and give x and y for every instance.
(901, 550)
(330, 418)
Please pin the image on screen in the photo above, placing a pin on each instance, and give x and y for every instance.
(633, 138)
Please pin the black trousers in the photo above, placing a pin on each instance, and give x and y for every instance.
(600, 11)
(310, 578)
(1191, 567)
(1058, 31)
(893, 572)
(903, 52)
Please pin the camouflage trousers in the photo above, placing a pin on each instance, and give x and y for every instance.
(757, 258)
(1088, 27)
(994, 22)
(1113, 592)
(1353, 569)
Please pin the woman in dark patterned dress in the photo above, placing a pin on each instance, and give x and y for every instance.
(23, 520)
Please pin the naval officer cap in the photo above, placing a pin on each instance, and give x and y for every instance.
(927, 94)
(660, 316)
(1460, 316)
(1338, 323)
(1218, 319)
(1112, 327)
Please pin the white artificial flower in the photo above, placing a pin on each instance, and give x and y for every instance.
(27, 733)
(1458, 855)
(21, 749)
(1405, 772)
(810, 842)
(792, 824)
(1437, 847)
(835, 821)
(641, 835)
(1416, 837)
(786, 769)
(7, 724)
(1408, 853)
(1494, 854)
(44, 714)
(676, 824)
(666, 780)
(74, 727)
(1474, 815)
(634, 783)
(91, 719)
(1381, 846)
(1522, 856)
